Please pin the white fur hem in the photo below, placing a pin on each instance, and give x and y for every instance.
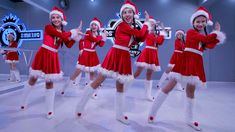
(184, 80)
(74, 35)
(148, 66)
(87, 69)
(220, 36)
(11, 61)
(148, 24)
(119, 77)
(47, 77)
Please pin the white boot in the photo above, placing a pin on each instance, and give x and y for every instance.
(49, 99)
(87, 78)
(162, 79)
(160, 98)
(95, 94)
(189, 114)
(86, 96)
(17, 75)
(78, 79)
(148, 89)
(12, 76)
(26, 92)
(69, 89)
(120, 100)
(179, 87)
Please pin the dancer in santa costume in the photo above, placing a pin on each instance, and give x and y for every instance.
(190, 70)
(88, 60)
(177, 56)
(46, 61)
(148, 59)
(12, 58)
(117, 63)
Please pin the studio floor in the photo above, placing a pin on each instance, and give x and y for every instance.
(214, 109)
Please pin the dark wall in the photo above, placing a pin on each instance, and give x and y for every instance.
(175, 14)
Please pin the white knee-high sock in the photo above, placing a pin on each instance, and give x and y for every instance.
(162, 79)
(160, 98)
(26, 92)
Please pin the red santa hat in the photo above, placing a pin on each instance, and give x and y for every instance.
(204, 12)
(60, 12)
(129, 4)
(96, 21)
(179, 31)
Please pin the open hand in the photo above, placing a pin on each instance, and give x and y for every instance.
(217, 26)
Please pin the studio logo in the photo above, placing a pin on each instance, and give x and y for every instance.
(11, 25)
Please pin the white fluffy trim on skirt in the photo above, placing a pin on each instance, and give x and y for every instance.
(47, 77)
(148, 66)
(88, 69)
(12, 61)
(184, 80)
(115, 75)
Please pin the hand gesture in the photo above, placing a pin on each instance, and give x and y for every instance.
(146, 15)
(217, 26)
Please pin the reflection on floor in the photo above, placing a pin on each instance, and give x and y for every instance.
(214, 110)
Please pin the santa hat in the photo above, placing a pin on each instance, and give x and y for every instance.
(152, 19)
(204, 12)
(129, 4)
(96, 21)
(58, 11)
(179, 31)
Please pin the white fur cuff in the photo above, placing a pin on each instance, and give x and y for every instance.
(220, 36)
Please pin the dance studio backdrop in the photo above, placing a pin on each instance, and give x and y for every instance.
(219, 63)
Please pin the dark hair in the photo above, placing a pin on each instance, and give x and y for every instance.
(62, 29)
(135, 39)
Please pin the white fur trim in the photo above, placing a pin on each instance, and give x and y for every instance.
(136, 16)
(127, 6)
(119, 77)
(184, 80)
(88, 69)
(60, 14)
(64, 23)
(95, 22)
(11, 61)
(179, 31)
(47, 77)
(148, 66)
(210, 23)
(171, 65)
(220, 36)
(75, 36)
(198, 13)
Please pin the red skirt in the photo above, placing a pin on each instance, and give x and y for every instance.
(88, 61)
(117, 64)
(12, 57)
(46, 64)
(190, 70)
(149, 59)
(174, 58)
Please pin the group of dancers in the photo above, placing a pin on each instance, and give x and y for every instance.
(185, 67)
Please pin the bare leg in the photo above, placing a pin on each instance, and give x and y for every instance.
(138, 71)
